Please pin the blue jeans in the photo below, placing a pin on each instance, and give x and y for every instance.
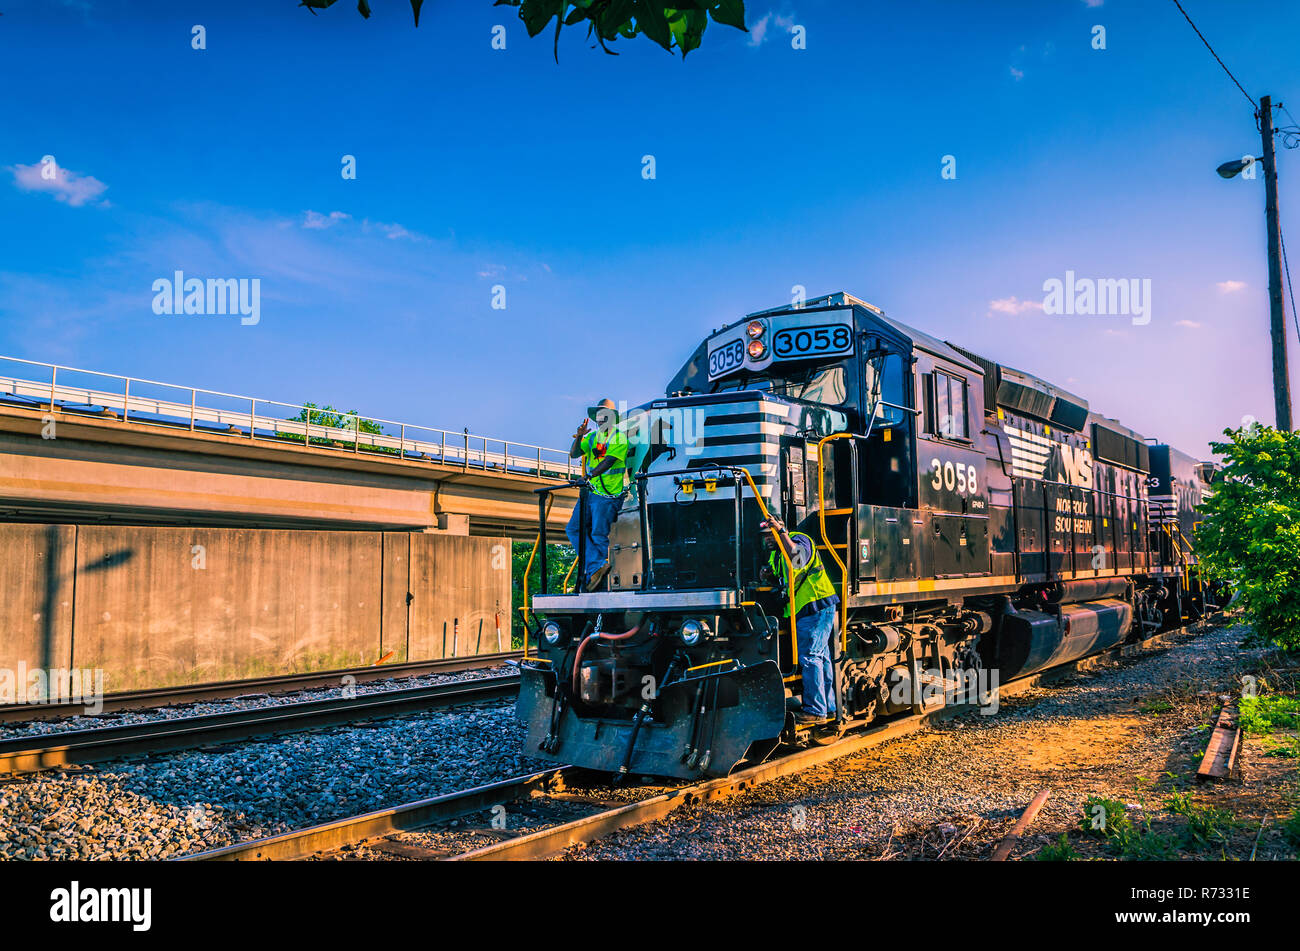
(601, 512)
(815, 633)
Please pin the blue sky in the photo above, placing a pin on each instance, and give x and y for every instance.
(775, 167)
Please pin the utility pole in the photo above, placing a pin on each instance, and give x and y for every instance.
(1277, 306)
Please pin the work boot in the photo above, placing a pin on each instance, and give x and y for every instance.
(597, 577)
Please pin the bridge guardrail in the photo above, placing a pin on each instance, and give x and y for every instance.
(275, 421)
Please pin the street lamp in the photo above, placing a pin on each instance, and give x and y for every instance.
(1232, 169)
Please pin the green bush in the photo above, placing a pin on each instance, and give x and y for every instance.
(1250, 536)
(1264, 713)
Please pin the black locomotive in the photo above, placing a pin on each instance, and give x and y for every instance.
(980, 524)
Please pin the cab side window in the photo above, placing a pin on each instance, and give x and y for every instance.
(948, 416)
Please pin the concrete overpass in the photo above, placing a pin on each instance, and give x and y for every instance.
(82, 446)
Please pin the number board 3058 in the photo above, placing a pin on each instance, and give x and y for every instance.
(792, 343)
(727, 357)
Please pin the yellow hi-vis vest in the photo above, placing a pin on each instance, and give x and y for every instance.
(810, 584)
(596, 445)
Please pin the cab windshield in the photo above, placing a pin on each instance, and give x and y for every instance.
(827, 385)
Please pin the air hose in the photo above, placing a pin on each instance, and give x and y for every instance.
(637, 720)
(595, 636)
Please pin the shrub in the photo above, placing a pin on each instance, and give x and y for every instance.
(1250, 537)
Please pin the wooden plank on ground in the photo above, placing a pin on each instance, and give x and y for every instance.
(1225, 740)
(1003, 851)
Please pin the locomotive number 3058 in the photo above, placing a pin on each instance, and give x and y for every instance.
(727, 357)
(952, 476)
(812, 341)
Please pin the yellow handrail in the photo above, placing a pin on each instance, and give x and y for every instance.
(767, 517)
(546, 513)
(821, 517)
(569, 573)
(1177, 546)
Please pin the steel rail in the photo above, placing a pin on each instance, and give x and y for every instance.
(224, 689)
(546, 842)
(409, 816)
(19, 755)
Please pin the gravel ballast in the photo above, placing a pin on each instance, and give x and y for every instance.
(954, 789)
(250, 701)
(186, 802)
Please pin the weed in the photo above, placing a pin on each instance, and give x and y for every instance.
(1156, 707)
(1263, 714)
(1291, 827)
(1059, 851)
(1105, 818)
(1206, 825)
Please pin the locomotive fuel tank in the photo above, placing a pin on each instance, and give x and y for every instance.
(1029, 641)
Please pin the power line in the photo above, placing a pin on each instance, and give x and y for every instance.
(1249, 97)
(1287, 268)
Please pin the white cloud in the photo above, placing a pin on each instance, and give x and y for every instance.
(1093, 3)
(1017, 74)
(393, 231)
(758, 31)
(65, 185)
(1187, 323)
(1228, 287)
(1013, 305)
(317, 221)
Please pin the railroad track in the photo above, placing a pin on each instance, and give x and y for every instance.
(567, 785)
(29, 754)
(284, 683)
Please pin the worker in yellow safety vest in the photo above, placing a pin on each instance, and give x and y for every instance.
(604, 453)
(816, 616)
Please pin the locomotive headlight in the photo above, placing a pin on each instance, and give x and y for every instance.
(551, 633)
(755, 329)
(692, 631)
(756, 349)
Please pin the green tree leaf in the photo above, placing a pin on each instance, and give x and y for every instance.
(537, 13)
(729, 13)
(679, 26)
(651, 21)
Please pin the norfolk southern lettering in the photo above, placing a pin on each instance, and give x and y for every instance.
(77, 904)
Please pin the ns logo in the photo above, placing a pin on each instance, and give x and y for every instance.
(1076, 466)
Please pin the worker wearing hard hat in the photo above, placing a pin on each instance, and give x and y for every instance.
(604, 453)
(816, 612)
